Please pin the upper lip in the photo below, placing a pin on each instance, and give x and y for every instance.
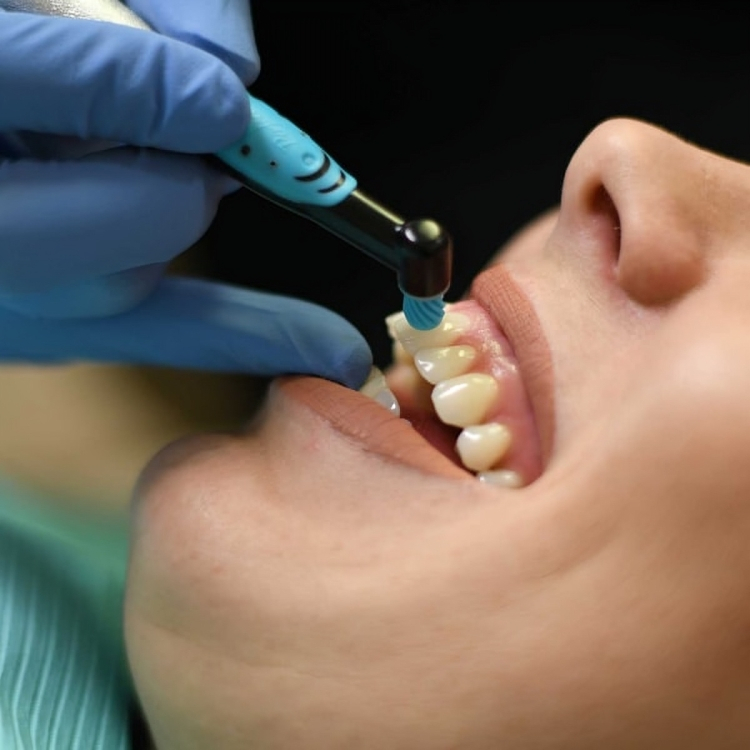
(500, 295)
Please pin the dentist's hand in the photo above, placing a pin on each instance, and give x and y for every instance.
(85, 234)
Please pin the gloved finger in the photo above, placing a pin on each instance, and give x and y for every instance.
(222, 27)
(190, 323)
(89, 79)
(89, 298)
(63, 222)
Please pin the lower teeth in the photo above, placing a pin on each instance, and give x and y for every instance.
(377, 389)
(501, 478)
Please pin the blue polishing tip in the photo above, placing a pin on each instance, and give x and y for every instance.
(424, 314)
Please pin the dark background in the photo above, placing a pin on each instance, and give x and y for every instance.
(467, 112)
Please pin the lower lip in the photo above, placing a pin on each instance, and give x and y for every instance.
(367, 423)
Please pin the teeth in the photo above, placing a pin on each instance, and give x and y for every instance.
(482, 446)
(501, 478)
(460, 398)
(464, 401)
(376, 388)
(452, 326)
(440, 363)
(400, 355)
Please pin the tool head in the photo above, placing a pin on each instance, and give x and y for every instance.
(426, 252)
(423, 314)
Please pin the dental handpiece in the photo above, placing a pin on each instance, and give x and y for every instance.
(277, 160)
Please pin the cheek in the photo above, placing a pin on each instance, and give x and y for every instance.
(672, 446)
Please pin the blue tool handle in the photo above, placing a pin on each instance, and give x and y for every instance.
(275, 154)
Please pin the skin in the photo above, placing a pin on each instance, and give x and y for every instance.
(292, 588)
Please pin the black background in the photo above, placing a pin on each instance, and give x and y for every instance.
(467, 112)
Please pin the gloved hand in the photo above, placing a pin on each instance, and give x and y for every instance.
(85, 239)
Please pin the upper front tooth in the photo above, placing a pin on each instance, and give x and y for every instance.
(377, 389)
(481, 446)
(443, 362)
(452, 326)
(465, 400)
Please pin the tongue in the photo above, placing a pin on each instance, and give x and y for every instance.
(413, 394)
(440, 436)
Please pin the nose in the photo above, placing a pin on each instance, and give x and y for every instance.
(667, 203)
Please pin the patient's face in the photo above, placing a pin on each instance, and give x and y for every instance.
(332, 579)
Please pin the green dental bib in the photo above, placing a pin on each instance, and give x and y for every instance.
(63, 679)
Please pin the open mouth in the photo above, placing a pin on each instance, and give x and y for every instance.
(461, 388)
(454, 402)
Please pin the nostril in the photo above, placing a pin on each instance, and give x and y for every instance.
(603, 210)
(661, 258)
(642, 199)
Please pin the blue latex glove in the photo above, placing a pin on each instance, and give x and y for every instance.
(85, 239)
